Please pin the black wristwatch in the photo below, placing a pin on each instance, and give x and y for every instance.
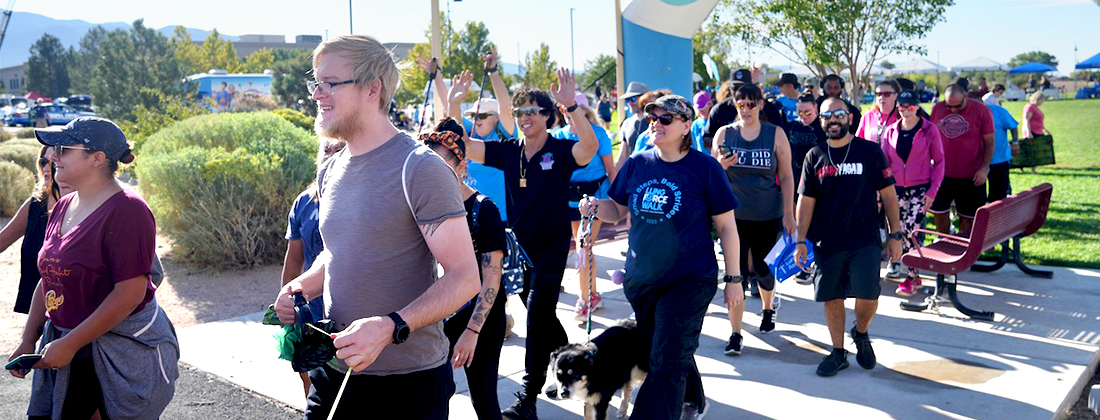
(896, 235)
(400, 328)
(731, 279)
(572, 108)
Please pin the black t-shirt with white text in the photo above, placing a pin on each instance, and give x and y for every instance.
(536, 210)
(844, 182)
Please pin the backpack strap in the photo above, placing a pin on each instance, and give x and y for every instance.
(477, 208)
(404, 184)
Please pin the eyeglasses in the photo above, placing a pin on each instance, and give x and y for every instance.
(885, 94)
(665, 119)
(907, 108)
(528, 111)
(59, 149)
(43, 161)
(840, 113)
(327, 88)
(959, 106)
(743, 105)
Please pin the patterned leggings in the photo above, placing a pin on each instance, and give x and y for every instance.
(910, 204)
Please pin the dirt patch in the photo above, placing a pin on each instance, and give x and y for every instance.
(188, 295)
(1080, 409)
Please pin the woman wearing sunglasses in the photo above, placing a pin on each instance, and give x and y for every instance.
(914, 152)
(29, 223)
(673, 194)
(755, 155)
(883, 112)
(102, 333)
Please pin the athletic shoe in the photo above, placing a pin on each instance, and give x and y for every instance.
(865, 355)
(896, 271)
(804, 277)
(522, 409)
(692, 412)
(833, 363)
(767, 321)
(596, 302)
(733, 348)
(580, 310)
(908, 287)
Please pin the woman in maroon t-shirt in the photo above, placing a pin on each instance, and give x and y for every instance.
(95, 261)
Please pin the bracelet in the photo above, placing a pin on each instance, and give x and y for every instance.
(572, 108)
(491, 69)
(472, 330)
(732, 279)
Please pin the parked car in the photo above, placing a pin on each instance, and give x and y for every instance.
(80, 102)
(60, 114)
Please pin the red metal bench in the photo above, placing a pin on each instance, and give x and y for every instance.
(995, 223)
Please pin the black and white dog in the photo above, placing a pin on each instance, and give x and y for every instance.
(617, 359)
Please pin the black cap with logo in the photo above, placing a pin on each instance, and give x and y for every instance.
(94, 133)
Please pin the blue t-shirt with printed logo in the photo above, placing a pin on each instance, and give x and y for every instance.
(1002, 122)
(670, 205)
(488, 181)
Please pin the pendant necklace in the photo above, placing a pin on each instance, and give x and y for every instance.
(829, 151)
(522, 169)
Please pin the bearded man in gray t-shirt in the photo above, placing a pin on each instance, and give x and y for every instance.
(389, 211)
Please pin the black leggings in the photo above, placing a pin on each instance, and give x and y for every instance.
(544, 330)
(84, 395)
(759, 237)
(481, 376)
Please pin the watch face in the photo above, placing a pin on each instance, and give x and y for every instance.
(402, 334)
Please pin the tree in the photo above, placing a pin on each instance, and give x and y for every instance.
(706, 42)
(886, 65)
(132, 64)
(215, 53)
(831, 36)
(258, 61)
(83, 59)
(291, 69)
(46, 69)
(1033, 57)
(601, 66)
(541, 70)
(462, 50)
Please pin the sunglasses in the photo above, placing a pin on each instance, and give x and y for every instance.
(528, 111)
(43, 161)
(805, 113)
(665, 119)
(959, 106)
(885, 94)
(59, 150)
(483, 115)
(743, 105)
(630, 99)
(907, 108)
(840, 113)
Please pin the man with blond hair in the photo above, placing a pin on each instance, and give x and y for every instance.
(389, 210)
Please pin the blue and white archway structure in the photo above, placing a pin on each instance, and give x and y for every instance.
(656, 40)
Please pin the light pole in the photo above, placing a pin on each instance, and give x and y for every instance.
(572, 48)
(351, 28)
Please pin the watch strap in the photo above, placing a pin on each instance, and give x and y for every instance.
(400, 328)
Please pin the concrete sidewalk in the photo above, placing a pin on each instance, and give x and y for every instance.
(1029, 363)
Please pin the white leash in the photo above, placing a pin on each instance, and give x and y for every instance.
(344, 384)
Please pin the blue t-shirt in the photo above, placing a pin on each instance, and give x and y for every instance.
(788, 107)
(594, 169)
(303, 223)
(698, 129)
(670, 205)
(488, 181)
(1002, 122)
(642, 144)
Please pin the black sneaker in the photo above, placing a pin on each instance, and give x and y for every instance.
(865, 355)
(522, 409)
(733, 348)
(833, 363)
(767, 321)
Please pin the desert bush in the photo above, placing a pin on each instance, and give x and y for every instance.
(16, 184)
(220, 185)
(24, 155)
(249, 102)
(296, 117)
(5, 135)
(26, 133)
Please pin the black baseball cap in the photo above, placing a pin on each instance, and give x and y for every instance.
(908, 97)
(788, 78)
(741, 76)
(94, 133)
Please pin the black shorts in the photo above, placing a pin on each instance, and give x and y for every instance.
(961, 191)
(847, 274)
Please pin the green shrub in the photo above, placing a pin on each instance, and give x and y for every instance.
(163, 111)
(5, 135)
(16, 184)
(221, 185)
(26, 133)
(20, 154)
(23, 142)
(296, 117)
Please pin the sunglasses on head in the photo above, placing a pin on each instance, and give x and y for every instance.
(885, 94)
(665, 119)
(840, 113)
(528, 111)
(743, 105)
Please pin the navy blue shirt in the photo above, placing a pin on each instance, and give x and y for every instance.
(302, 223)
(671, 204)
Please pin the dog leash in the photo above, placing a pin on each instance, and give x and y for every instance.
(343, 384)
(586, 233)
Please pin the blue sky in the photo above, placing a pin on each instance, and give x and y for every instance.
(997, 29)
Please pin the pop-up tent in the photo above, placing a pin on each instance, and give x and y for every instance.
(918, 65)
(979, 64)
(1032, 68)
(1091, 63)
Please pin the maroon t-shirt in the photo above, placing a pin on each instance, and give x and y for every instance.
(963, 137)
(80, 268)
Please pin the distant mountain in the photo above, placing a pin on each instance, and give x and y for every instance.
(26, 28)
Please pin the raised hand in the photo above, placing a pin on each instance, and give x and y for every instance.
(565, 90)
(460, 84)
(491, 59)
(428, 64)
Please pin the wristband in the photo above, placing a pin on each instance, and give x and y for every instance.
(491, 69)
(472, 330)
(732, 279)
(572, 108)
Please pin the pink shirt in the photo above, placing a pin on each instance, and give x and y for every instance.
(963, 135)
(1035, 123)
(80, 268)
(873, 124)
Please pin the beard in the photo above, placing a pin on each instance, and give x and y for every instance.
(839, 134)
(345, 127)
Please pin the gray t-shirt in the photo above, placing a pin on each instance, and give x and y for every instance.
(379, 260)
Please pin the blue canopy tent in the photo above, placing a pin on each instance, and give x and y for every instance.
(1092, 63)
(1032, 68)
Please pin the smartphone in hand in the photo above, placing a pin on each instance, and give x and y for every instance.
(23, 363)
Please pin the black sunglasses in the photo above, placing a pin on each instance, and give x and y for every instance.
(528, 111)
(840, 113)
(43, 161)
(483, 116)
(665, 119)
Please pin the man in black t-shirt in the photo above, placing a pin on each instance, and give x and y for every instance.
(838, 213)
(536, 176)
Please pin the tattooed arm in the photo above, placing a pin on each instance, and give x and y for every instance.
(490, 292)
